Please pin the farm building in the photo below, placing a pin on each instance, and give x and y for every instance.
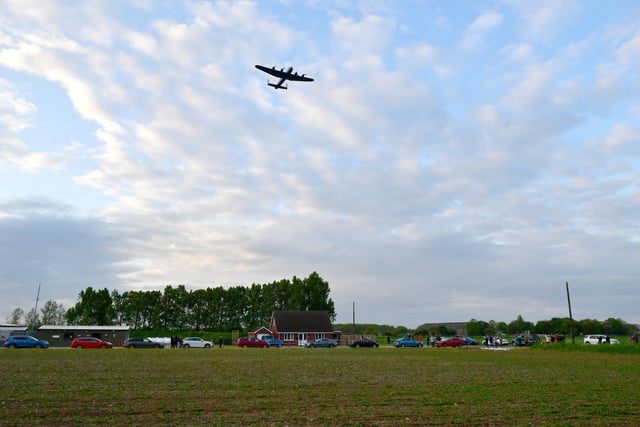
(8, 329)
(295, 328)
(62, 335)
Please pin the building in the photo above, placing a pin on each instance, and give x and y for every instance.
(8, 329)
(62, 335)
(296, 328)
(260, 332)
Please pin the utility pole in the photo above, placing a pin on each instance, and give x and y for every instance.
(573, 338)
(354, 318)
(37, 299)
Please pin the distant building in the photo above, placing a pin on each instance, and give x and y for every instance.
(260, 332)
(8, 329)
(62, 335)
(296, 328)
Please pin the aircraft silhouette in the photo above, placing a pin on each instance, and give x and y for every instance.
(283, 75)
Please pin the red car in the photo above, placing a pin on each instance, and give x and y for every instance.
(451, 342)
(90, 342)
(252, 342)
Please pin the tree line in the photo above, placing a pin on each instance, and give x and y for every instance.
(177, 308)
(555, 325)
(479, 328)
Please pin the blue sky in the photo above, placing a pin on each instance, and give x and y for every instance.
(450, 161)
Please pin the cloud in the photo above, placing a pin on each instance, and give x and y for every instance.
(15, 111)
(423, 180)
(478, 29)
(544, 20)
(43, 243)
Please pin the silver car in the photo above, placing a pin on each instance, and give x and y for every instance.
(195, 342)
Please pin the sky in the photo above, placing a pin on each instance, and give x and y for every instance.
(451, 160)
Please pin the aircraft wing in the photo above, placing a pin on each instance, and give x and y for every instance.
(287, 75)
(298, 78)
(272, 71)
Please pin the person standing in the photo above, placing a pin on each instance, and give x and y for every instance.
(220, 342)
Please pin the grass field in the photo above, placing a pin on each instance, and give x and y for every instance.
(341, 386)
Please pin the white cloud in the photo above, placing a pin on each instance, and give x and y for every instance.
(543, 20)
(409, 169)
(478, 29)
(369, 35)
(15, 111)
(519, 52)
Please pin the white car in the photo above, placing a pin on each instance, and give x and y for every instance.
(195, 342)
(599, 339)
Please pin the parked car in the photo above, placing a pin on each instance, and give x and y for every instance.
(251, 342)
(142, 343)
(25, 341)
(195, 342)
(501, 341)
(451, 342)
(322, 343)
(495, 341)
(365, 342)
(599, 339)
(407, 342)
(274, 342)
(525, 340)
(469, 341)
(90, 342)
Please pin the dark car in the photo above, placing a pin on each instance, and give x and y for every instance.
(451, 342)
(322, 343)
(365, 342)
(251, 342)
(142, 343)
(90, 342)
(525, 340)
(470, 341)
(25, 341)
(407, 342)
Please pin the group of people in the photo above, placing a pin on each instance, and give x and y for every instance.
(176, 342)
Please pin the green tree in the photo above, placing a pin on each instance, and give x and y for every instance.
(616, 327)
(519, 326)
(235, 307)
(32, 320)
(296, 295)
(476, 328)
(93, 308)
(198, 309)
(543, 327)
(173, 308)
(16, 316)
(501, 327)
(53, 313)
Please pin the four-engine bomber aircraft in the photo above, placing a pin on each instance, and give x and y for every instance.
(283, 75)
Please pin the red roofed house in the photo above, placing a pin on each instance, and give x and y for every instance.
(295, 328)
